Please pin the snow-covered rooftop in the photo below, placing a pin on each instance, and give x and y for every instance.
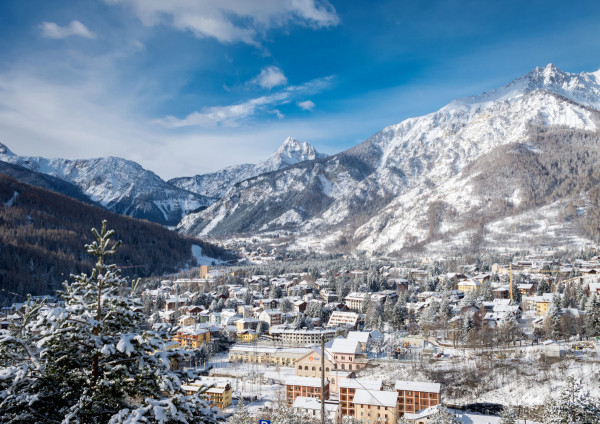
(418, 386)
(376, 397)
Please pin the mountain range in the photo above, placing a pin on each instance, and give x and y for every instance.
(424, 178)
(457, 177)
(214, 185)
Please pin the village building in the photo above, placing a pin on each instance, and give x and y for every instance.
(347, 355)
(301, 337)
(266, 355)
(192, 337)
(376, 406)
(246, 336)
(348, 388)
(356, 300)
(309, 365)
(468, 285)
(271, 317)
(305, 387)
(311, 407)
(346, 319)
(414, 396)
(219, 395)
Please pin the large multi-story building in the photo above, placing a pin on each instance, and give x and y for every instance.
(347, 355)
(414, 396)
(219, 395)
(309, 365)
(348, 388)
(271, 317)
(302, 337)
(305, 387)
(376, 406)
(267, 355)
(192, 337)
(356, 300)
(346, 319)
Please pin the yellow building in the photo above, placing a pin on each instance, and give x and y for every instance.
(247, 336)
(541, 307)
(376, 407)
(468, 285)
(219, 396)
(193, 337)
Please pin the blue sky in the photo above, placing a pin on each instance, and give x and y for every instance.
(186, 87)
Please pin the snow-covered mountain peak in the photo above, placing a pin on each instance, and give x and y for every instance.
(290, 152)
(5, 151)
(582, 88)
(217, 183)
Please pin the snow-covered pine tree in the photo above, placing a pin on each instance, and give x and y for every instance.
(552, 319)
(572, 405)
(592, 316)
(88, 361)
(400, 314)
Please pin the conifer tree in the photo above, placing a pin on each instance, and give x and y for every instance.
(88, 361)
(592, 316)
(572, 405)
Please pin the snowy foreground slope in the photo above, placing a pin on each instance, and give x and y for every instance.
(217, 183)
(427, 178)
(119, 185)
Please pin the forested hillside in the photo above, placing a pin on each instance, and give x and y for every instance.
(42, 234)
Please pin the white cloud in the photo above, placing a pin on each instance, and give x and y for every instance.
(231, 21)
(232, 115)
(270, 77)
(75, 28)
(306, 105)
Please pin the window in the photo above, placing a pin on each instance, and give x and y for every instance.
(306, 368)
(313, 368)
(300, 367)
(350, 366)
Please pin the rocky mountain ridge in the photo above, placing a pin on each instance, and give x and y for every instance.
(215, 184)
(411, 182)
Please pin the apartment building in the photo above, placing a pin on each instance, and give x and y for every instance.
(348, 388)
(192, 337)
(376, 406)
(271, 317)
(346, 319)
(267, 355)
(347, 355)
(219, 396)
(302, 337)
(414, 396)
(305, 387)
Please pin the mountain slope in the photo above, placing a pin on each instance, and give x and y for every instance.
(215, 184)
(42, 238)
(119, 185)
(413, 181)
(44, 181)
